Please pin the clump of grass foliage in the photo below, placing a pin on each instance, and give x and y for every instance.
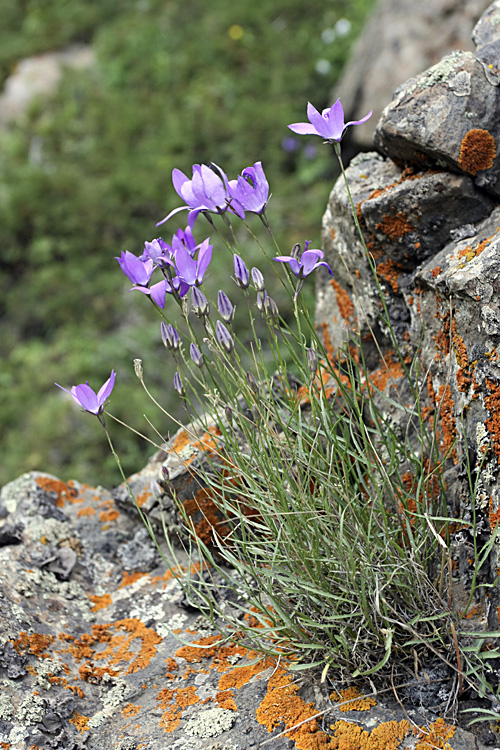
(334, 560)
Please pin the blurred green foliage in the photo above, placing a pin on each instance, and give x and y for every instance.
(87, 173)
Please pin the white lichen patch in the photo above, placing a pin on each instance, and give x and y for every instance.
(146, 608)
(210, 723)
(31, 710)
(6, 708)
(460, 83)
(14, 491)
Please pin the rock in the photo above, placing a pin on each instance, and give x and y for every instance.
(39, 76)
(439, 270)
(109, 658)
(448, 116)
(400, 40)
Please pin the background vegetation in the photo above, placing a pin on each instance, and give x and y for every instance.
(87, 174)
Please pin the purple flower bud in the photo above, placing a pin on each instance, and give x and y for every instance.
(196, 355)
(258, 280)
(226, 309)
(312, 362)
(165, 473)
(229, 414)
(179, 385)
(201, 305)
(261, 298)
(170, 337)
(241, 272)
(224, 337)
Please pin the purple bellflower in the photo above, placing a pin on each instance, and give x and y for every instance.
(329, 124)
(189, 270)
(250, 191)
(303, 264)
(205, 191)
(136, 269)
(88, 399)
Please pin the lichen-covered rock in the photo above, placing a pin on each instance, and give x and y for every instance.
(433, 235)
(400, 40)
(449, 115)
(104, 656)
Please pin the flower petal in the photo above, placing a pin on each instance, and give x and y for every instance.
(105, 390)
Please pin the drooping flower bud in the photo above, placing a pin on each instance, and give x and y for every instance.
(224, 337)
(242, 277)
(258, 280)
(226, 308)
(179, 385)
(201, 305)
(271, 310)
(312, 362)
(170, 337)
(261, 298)
(196, 355)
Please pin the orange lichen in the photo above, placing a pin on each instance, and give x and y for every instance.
(129, 578)
(225, 699)
(181, 441)
(143, 497)
(477, 151)
(131, 709)
(88, 511)
(387, 736)
(390, 271)
(100, 602)
(436, 271)
(391, 369)
(35, 644)
(173, 703)
(200, 649)
(492, 404)
(447, 420)
(345, 305)
(356, 700)
(394, 226)
(108, 515)
(205, 515)
(81, 722)
(436, 736)
(283, 705)
(494, 514)
(463, 376)
(172, 665)
(327, 342)
(62, 490)
(118, 647)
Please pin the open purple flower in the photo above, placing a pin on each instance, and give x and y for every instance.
(88, 399)
(250, 191)
(189, 270)
(206, 191)
(303, 264)
(329, 124)
(136, 269)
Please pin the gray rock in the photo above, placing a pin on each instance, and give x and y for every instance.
(400, 40)
(446, 117)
